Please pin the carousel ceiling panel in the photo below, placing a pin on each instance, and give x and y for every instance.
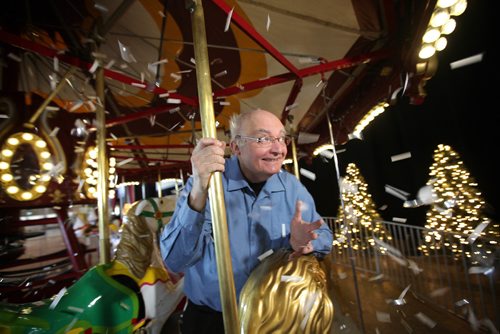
(289, 57)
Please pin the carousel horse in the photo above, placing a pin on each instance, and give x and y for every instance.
(286, 295)
(134, 293)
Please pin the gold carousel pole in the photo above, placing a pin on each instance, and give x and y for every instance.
(216, 193)
(102, 170)
(294, 156)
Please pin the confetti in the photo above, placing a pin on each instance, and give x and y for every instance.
(311, 298)
(481, 270)
(425, 320)
(401, 156)
(152, 120)
(308, 174)
(376, 278)
(163, 95)
(159, 62)
(265, 254)
(383, 316)
(14, 57)
(54, 132)
(57, 298)
(326, 153)
(477, 231)
(341, 274)
(216, 61)
(94, 66)
(110, 64)
(290, 278)
(56, 64)
(467, 61)
(75, 309)
(383, 207)
(137, 84)
(462, 302)
(100, 7)
(291, 106)
(113, 136)
(125, 306)
(176, 109)
(192, 60)
(413, 266)
(268, 24)
(224, 103)
(283, 230)
(396, 192)
(220, 74)
(308, 138)
(439, 292)
(75, 106)
(4, 116)
(399, 220)
(173, 101)
(175, 76)
(123, 162)
(161, 13)
(228, 20)
(126, 54)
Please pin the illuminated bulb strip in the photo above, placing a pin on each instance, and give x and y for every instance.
(90, 174)
(40, 181)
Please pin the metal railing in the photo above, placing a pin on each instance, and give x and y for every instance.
(461, 277)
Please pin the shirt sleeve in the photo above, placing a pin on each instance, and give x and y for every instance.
(181, 241)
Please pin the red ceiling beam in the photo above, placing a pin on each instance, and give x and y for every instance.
(142, 147)
(253, 34)
(31, 46)
(305, 72)
(138, 115)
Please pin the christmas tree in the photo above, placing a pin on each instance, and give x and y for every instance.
(358, 219)
(456, 220)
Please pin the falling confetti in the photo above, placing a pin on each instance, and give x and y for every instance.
(383, 316)
(401, 156)
(126, 54)
(57, 298)
(14, 57)
(265, 254)
(228, 20)
(425, 320)
(308, 174)
(124, 162)
(137, 84)
(94, 66)
(220, 74)
(396, 192)
(467, 61)
(268, 24)
(290, 278)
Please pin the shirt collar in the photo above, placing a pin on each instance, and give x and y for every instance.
(236, 180)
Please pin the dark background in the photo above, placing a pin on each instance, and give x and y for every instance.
(460, 110)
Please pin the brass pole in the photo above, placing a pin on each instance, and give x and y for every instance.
(103, 172)
(49, 98)
(294, 157)
(216, 193)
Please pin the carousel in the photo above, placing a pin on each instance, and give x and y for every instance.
(101, 104)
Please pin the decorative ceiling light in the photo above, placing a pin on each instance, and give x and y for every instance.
(440, 23)
(370, 116)
(29, 181)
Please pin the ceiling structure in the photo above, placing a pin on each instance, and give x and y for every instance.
(305, 61)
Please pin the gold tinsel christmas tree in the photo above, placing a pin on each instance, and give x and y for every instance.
(456, 220)
(362, 222)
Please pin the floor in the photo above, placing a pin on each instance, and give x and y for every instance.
(378, 315)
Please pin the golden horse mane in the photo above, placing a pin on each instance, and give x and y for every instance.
(137, 244)
(286, 296)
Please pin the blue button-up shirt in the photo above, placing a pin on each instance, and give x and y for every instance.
(256, 224)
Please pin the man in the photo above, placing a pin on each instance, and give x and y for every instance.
(266, 209)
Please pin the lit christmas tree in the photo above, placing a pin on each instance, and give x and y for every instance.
(456, 218)
(362, 220)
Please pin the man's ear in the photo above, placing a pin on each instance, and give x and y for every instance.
(234, 147)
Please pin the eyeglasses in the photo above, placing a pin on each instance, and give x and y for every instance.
(267, 140)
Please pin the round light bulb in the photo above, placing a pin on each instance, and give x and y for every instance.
(27, 136)
(441, 44)
(449, 27)
(440, 17)
(431, 35)
(13, 141)
(427, 51)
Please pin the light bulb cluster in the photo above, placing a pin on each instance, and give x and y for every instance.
(40, 177)
(91, 174)
(440, 24)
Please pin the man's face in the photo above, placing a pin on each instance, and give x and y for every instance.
(260, 161)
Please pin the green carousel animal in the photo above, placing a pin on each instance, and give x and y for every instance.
(132, 293)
